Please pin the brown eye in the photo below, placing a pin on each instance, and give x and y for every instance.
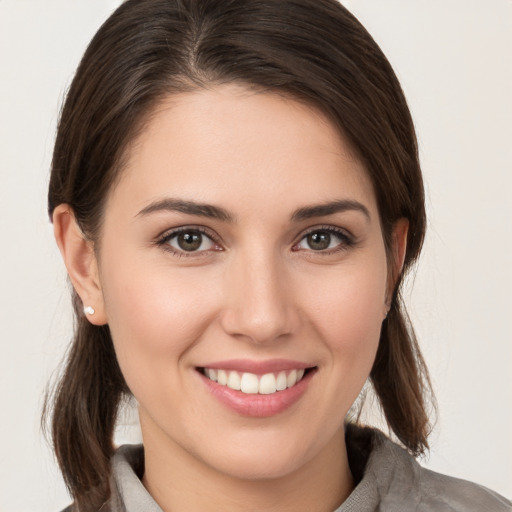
(319, 241)
(325, 240)
(190, 241)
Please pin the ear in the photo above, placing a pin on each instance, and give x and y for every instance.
(398, 250)
(80, 260)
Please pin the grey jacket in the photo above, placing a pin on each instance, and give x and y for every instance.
(389, 480)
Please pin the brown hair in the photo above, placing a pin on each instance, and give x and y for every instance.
(312, 50)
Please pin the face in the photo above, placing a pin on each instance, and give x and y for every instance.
(242, 248)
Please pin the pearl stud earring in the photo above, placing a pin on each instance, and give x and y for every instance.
(89, 310)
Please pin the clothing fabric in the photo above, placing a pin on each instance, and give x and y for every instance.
(388, 479)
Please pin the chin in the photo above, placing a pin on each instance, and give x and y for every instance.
(255, 468)
(266, 459)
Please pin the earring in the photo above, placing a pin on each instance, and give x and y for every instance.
(89, 310)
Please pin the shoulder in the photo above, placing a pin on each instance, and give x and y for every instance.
(393, 480)
(427, 490)
(456, 494)
(127, 470)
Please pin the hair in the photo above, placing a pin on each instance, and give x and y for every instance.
(314, 51)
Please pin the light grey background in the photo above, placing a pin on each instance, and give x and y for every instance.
(454, 58)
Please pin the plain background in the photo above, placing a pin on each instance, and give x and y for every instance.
(453, 58)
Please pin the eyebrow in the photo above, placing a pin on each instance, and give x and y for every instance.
(216, 212)
(188, 207)
(330, 208)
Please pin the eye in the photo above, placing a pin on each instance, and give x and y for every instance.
(325, 239)
(188, 241)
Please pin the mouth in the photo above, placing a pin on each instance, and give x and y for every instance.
(255, 384)
(252, 383)
(258, 389)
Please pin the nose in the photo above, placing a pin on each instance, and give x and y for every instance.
(259, 302)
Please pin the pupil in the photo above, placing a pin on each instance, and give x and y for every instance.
(189, 241)
(319, 241)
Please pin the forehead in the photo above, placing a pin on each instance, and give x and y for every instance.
(228, 144)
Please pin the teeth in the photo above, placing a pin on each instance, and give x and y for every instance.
(292, 378)
(267, 384)
(281, 381)
(251, 383)
(234, 381)
(222, 377)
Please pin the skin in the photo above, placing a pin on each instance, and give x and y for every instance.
(255, 290)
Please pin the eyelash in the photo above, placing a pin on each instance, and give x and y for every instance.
(163, 241)
(346, 241)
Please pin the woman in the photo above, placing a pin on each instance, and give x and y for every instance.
(236, 194)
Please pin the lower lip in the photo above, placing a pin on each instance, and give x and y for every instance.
(256, 405)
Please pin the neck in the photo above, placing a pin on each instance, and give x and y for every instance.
(174, 476)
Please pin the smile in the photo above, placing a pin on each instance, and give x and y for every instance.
(251, 383)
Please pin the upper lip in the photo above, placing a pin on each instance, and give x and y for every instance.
(257, 367)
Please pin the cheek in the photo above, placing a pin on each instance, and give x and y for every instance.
(154, 313)
(348, 312)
